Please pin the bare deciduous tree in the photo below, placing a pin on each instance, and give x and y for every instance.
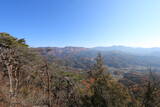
(9, 58)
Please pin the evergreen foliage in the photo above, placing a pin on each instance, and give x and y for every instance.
(29, 79)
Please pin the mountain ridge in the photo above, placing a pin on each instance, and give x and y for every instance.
(115, 56)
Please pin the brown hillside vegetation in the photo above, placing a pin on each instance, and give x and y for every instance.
(29, 79)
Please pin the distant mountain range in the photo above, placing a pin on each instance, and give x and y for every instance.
(114, 56)
(137, 51)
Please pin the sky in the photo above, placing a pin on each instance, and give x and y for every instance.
(84, 23)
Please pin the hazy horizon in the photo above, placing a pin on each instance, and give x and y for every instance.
(95, 46)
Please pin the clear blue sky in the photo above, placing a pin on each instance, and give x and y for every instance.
(85, 23)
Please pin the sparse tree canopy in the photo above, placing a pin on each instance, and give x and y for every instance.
(29, 79)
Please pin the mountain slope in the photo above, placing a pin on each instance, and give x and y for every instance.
(115, 56)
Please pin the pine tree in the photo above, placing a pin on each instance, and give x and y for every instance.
(105, 91)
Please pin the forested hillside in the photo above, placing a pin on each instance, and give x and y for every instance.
(116, 56)
(74, 77)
